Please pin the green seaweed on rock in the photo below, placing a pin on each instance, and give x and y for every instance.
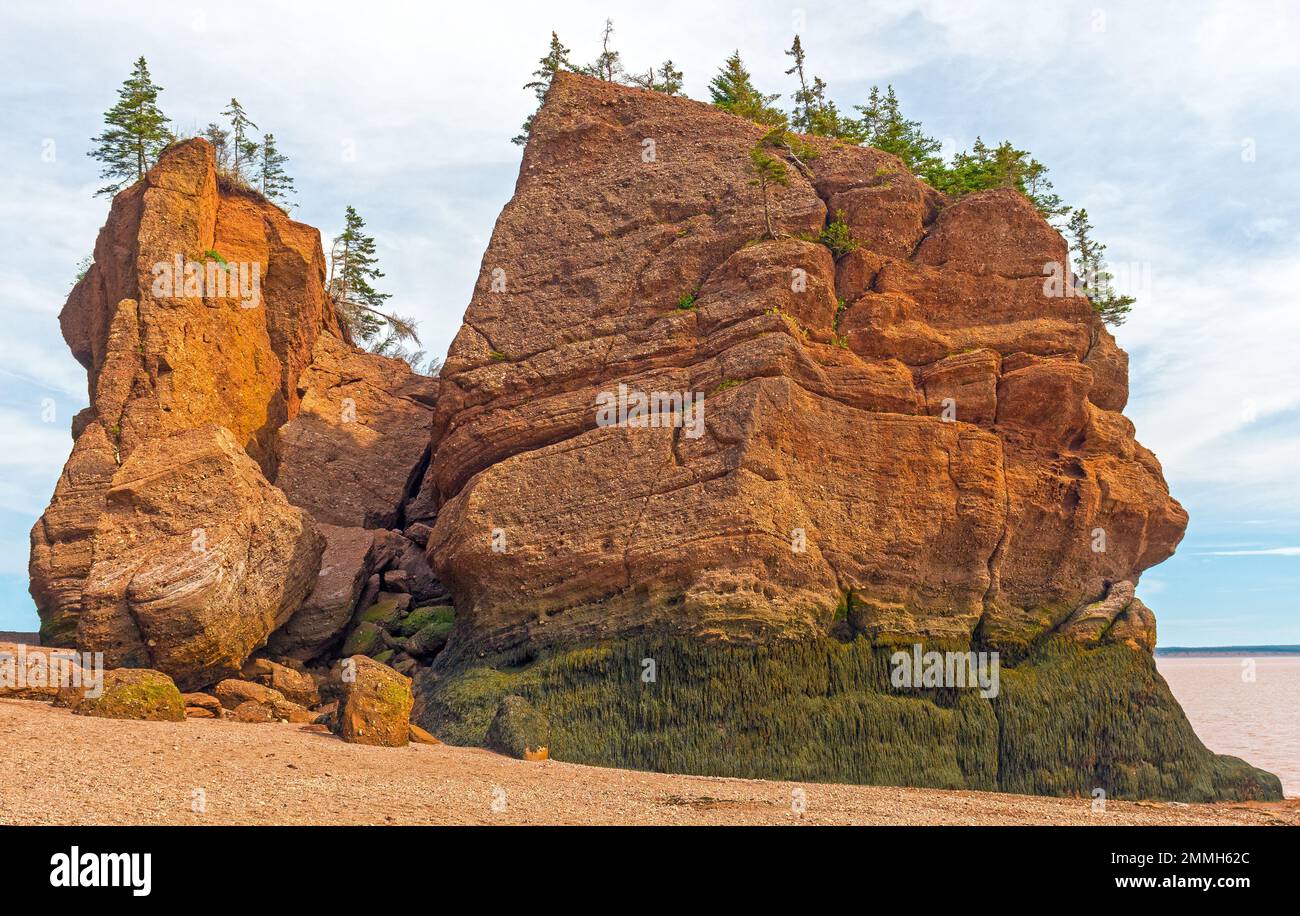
(1068, 719)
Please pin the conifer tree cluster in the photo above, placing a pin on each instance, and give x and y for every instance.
(880, 123)
(136, 132)
(608, 66)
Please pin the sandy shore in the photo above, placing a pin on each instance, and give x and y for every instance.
(57, 768)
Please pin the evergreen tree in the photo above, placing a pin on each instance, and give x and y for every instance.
(733, 90)
(814, 113)
(220, 140)
(136, 131)
(1092, 275)
(273, 180)
(667, 80)
(802, 119)
(1003, 166)
(767, 170)
(607, 66)
(883, 126)
(353, 266)
(1039, 190)
(242, 147)
(556, 59)
(826, 120)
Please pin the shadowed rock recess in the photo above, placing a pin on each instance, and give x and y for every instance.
(910, 444)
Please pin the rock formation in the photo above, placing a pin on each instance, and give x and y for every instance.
(917, 442)
(240, 459)
(681, 497)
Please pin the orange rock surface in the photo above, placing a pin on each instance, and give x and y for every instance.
(917, 433)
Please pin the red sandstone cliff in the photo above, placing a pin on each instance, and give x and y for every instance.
(825, 384)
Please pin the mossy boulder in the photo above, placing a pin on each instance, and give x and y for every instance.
(519, 730)
(440, 616)
(134, 693)
(366, 638)
(374, 703)
(387, 611)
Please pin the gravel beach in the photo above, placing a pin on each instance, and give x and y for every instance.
(57, 768)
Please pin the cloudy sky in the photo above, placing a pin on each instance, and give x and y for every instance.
(1174, 123)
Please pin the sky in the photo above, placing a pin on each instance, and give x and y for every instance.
(1174, 124)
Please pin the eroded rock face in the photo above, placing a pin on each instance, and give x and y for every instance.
(345, 565)
(352, 453)
(920, 436)
(216, 363)
(916, 443)
(197, 560)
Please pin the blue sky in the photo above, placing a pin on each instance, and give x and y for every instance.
(1173, 123)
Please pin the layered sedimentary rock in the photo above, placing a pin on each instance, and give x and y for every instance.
(197, 560)
(917, 442)
(923, 411)
(233, 432)
(689, 487)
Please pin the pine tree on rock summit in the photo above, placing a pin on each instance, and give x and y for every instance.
(136, 131)
(273, 181)
(556, 59)
(242, 148)
(733, 90)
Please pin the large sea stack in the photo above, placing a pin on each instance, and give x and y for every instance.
(918, 443)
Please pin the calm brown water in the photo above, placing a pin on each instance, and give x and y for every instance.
(1258, 721)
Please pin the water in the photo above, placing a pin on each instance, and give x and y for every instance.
(1257, 720)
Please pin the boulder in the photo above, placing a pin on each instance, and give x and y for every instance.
(365, 639)
(426, 630)
(519, 730)
(253, 712)
(134, 693)
(296, 686)
(232, 693)
(38, 672)
(197, 559)
(374, 705)
(420, 736)
(201, 706)
(345, 566)
(387, 611)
